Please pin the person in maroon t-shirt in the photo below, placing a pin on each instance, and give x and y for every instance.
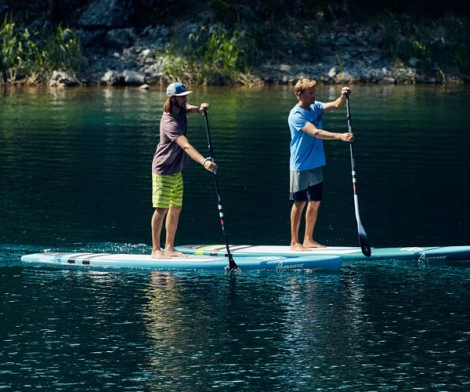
(170, 158)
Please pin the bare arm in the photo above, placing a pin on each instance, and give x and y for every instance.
(325, 135)
(194, 154)
(338, 103)
(311, 129)
(197, 109)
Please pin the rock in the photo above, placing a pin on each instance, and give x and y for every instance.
(108, 78)
(106, 13)
(92, 38)
(154, 72)
(120, 38)
(133, 78)
(125, 78)
(63, 79)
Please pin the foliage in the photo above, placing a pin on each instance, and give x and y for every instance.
(31, 55)
(211, 56)
(282, 40)
(435, 45)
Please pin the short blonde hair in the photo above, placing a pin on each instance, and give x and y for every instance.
(303, 84)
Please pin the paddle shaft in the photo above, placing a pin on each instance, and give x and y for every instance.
(232, 264)
(363, 241)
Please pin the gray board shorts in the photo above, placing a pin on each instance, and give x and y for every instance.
(307, 181)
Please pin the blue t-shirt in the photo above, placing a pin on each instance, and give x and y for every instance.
(306, 151)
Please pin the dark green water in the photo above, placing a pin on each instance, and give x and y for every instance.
(75, 174)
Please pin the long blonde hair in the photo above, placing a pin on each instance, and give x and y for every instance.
(167, 105)
(303, 84)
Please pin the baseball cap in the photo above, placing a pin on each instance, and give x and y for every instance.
(177, 89)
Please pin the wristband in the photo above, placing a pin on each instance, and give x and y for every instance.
(205, 160)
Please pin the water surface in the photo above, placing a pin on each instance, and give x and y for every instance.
(75, 175)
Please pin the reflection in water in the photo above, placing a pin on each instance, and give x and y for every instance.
(299, 332)
(245, 332)
(375, 325)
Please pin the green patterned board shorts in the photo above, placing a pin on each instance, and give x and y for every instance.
(167, 190)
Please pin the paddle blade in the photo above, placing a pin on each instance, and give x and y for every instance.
(232, 267)
(363, 241)
(232, 264)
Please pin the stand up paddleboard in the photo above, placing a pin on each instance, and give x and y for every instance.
(190, 262)
(447, 254)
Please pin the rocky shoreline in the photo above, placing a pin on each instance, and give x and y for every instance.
(118, 55)
(123, 57)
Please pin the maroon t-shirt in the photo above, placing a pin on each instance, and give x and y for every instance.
(170, 158)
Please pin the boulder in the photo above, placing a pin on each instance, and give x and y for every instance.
(106, 13)
(63, 79)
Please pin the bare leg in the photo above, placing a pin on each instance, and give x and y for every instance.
(295, 218)
(310, 220)
(157, 224)
(172, 220)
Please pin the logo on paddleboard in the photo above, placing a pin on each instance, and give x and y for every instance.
(282, 267)
(423, 257)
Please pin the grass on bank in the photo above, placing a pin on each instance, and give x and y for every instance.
(437, 46)
(210, 56)
(31, 56)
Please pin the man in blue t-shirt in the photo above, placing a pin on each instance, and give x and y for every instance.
(307, 158)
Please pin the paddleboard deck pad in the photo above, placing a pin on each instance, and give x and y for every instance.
(189, 262)
(448, 254)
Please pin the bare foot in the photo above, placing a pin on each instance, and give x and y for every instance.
(173, 253)
(298, 247)
(313, 244)
(158, 254)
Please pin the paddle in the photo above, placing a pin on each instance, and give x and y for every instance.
(232, 265)
(363, 241)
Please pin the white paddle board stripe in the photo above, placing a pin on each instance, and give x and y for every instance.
(240, 247)
(216, 251)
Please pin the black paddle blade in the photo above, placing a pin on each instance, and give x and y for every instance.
(232, 264)
(232, 268)
(364, 242)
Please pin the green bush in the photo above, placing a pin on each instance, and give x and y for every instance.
(437, 45)
(32, 56)
(209, 57)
